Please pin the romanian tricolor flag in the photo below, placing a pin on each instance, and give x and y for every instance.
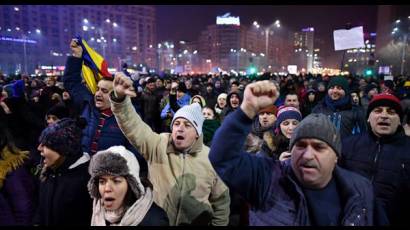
(94, 66)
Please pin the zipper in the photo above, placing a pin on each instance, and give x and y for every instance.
(375, 161)
(182, 189)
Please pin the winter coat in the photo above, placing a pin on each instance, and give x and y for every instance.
(386, 163)
(228, 108)
(270, 186)
(209, 127)
(348, 120)
(155, 216)
(185, 184)
(63, 196)
(111, 134)
(16, 189)
(150, 107)
(184, 100)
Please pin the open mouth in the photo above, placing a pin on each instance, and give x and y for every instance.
(180, 138)
(109, 199)
(384, 124)
(309, 166)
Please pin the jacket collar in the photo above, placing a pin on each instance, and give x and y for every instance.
(195, 149)
(398, 135)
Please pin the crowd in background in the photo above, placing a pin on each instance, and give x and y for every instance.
(58, 113)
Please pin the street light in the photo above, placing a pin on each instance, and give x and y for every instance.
(268, 31)
(401, 32)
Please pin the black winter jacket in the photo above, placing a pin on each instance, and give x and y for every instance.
(64, 198)
(386, 163)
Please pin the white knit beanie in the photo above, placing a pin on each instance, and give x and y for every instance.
(193, 113)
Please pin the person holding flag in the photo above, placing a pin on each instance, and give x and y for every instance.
(92, 98)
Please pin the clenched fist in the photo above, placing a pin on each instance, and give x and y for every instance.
(76, 49)
(257, 96)
(123, 86)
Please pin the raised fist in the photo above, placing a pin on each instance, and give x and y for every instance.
(257, 96)
(76, 49)
(123, 86)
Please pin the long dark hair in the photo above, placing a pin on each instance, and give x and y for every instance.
(6, 139)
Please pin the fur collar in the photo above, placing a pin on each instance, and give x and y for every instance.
(10, 161)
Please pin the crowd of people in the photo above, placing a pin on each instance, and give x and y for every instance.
(213, 150)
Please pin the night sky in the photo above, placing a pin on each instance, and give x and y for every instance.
(185, 22)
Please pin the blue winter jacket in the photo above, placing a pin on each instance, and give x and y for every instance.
(270, 186)
(348, 120)
(184, 100)
(111, 134)
(386, 163)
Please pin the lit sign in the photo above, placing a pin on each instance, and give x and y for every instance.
(47, 67)
(17, 40)
(309, 29)
(226, 19)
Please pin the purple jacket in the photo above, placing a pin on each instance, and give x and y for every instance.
(17, 198)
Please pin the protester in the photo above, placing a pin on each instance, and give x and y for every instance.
(17, 190)
(381, 155)
(56, 113)
(309, 102)
(337, 106)
(149, 102)
(178, 97)
(120, 196)
(262, 124)
(233, 100)
(211, 124)
(288, 119)
(188, 195)
(63, 196)
(102, 130)
(291, 99)
(308, 189)
(220, 103)
(198, 99)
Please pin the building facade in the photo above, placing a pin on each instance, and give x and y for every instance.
(303, 44)
(39, 35)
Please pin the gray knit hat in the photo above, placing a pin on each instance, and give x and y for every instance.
(318, 126)
(115, 161)
(193, 113)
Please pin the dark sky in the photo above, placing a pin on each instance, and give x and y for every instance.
(185, 22)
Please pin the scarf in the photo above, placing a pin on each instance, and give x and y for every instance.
(132, 216)
(339, 104)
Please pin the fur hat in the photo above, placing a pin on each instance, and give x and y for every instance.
(385, 99)
(64, 137)
(318, 126)
(193, 113)
(115, 161)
